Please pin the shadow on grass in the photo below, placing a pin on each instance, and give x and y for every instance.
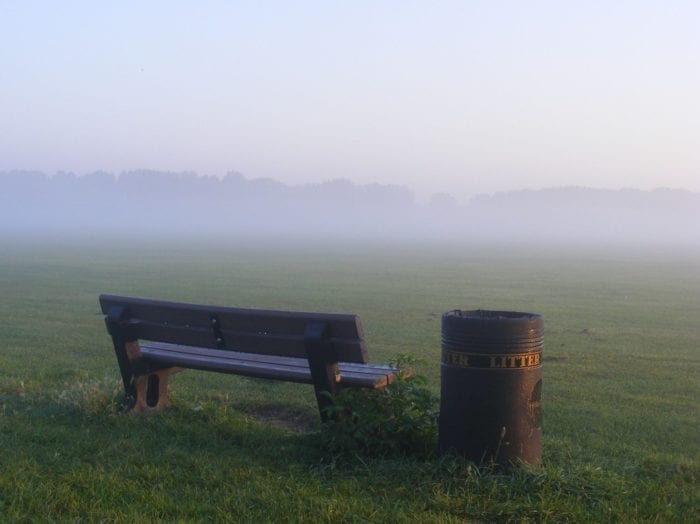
(279, 415)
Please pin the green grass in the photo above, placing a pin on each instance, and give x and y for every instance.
(621, 387)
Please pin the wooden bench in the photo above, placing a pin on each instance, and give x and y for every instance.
(153, 339)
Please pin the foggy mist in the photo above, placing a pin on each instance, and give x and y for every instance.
(149, 204)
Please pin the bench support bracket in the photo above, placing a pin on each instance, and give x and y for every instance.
(146, 391)
(151, 392)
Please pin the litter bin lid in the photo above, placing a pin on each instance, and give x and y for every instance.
(497, 330)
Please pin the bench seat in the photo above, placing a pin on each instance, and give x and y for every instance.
(158, 355)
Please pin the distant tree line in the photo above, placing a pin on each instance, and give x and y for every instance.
(143, 203)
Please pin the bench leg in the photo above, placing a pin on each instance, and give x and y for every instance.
(323, 365)
(126, 346)
(145, 393)
(152, 392)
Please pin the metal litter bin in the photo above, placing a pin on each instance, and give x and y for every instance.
(491, 386)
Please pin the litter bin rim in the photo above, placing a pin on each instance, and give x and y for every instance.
(486, 327)
(487, 315)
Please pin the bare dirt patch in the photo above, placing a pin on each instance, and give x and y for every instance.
(280, 416)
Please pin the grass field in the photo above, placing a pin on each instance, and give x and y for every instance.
(621, 386)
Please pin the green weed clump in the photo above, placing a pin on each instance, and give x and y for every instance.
(92, 396)
(397, 421)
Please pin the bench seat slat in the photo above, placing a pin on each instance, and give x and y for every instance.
(229, 365)
(373, 369)
(265, 366)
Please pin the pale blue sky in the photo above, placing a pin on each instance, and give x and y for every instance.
(464, 97)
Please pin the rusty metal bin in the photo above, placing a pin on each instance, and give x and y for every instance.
(491, 386)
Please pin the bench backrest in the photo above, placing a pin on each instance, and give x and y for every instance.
(247, 330)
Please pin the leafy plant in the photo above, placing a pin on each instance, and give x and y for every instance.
(398, 420)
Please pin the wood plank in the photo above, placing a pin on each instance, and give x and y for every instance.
(263, 366)
(218, 353)
(260, 331)
(228, 365)
(292, 345)
(364, 380)
(267, 344)
(175, 334)
(369, 369)
(237, 319)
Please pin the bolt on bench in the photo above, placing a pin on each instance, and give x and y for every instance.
(153, 339)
